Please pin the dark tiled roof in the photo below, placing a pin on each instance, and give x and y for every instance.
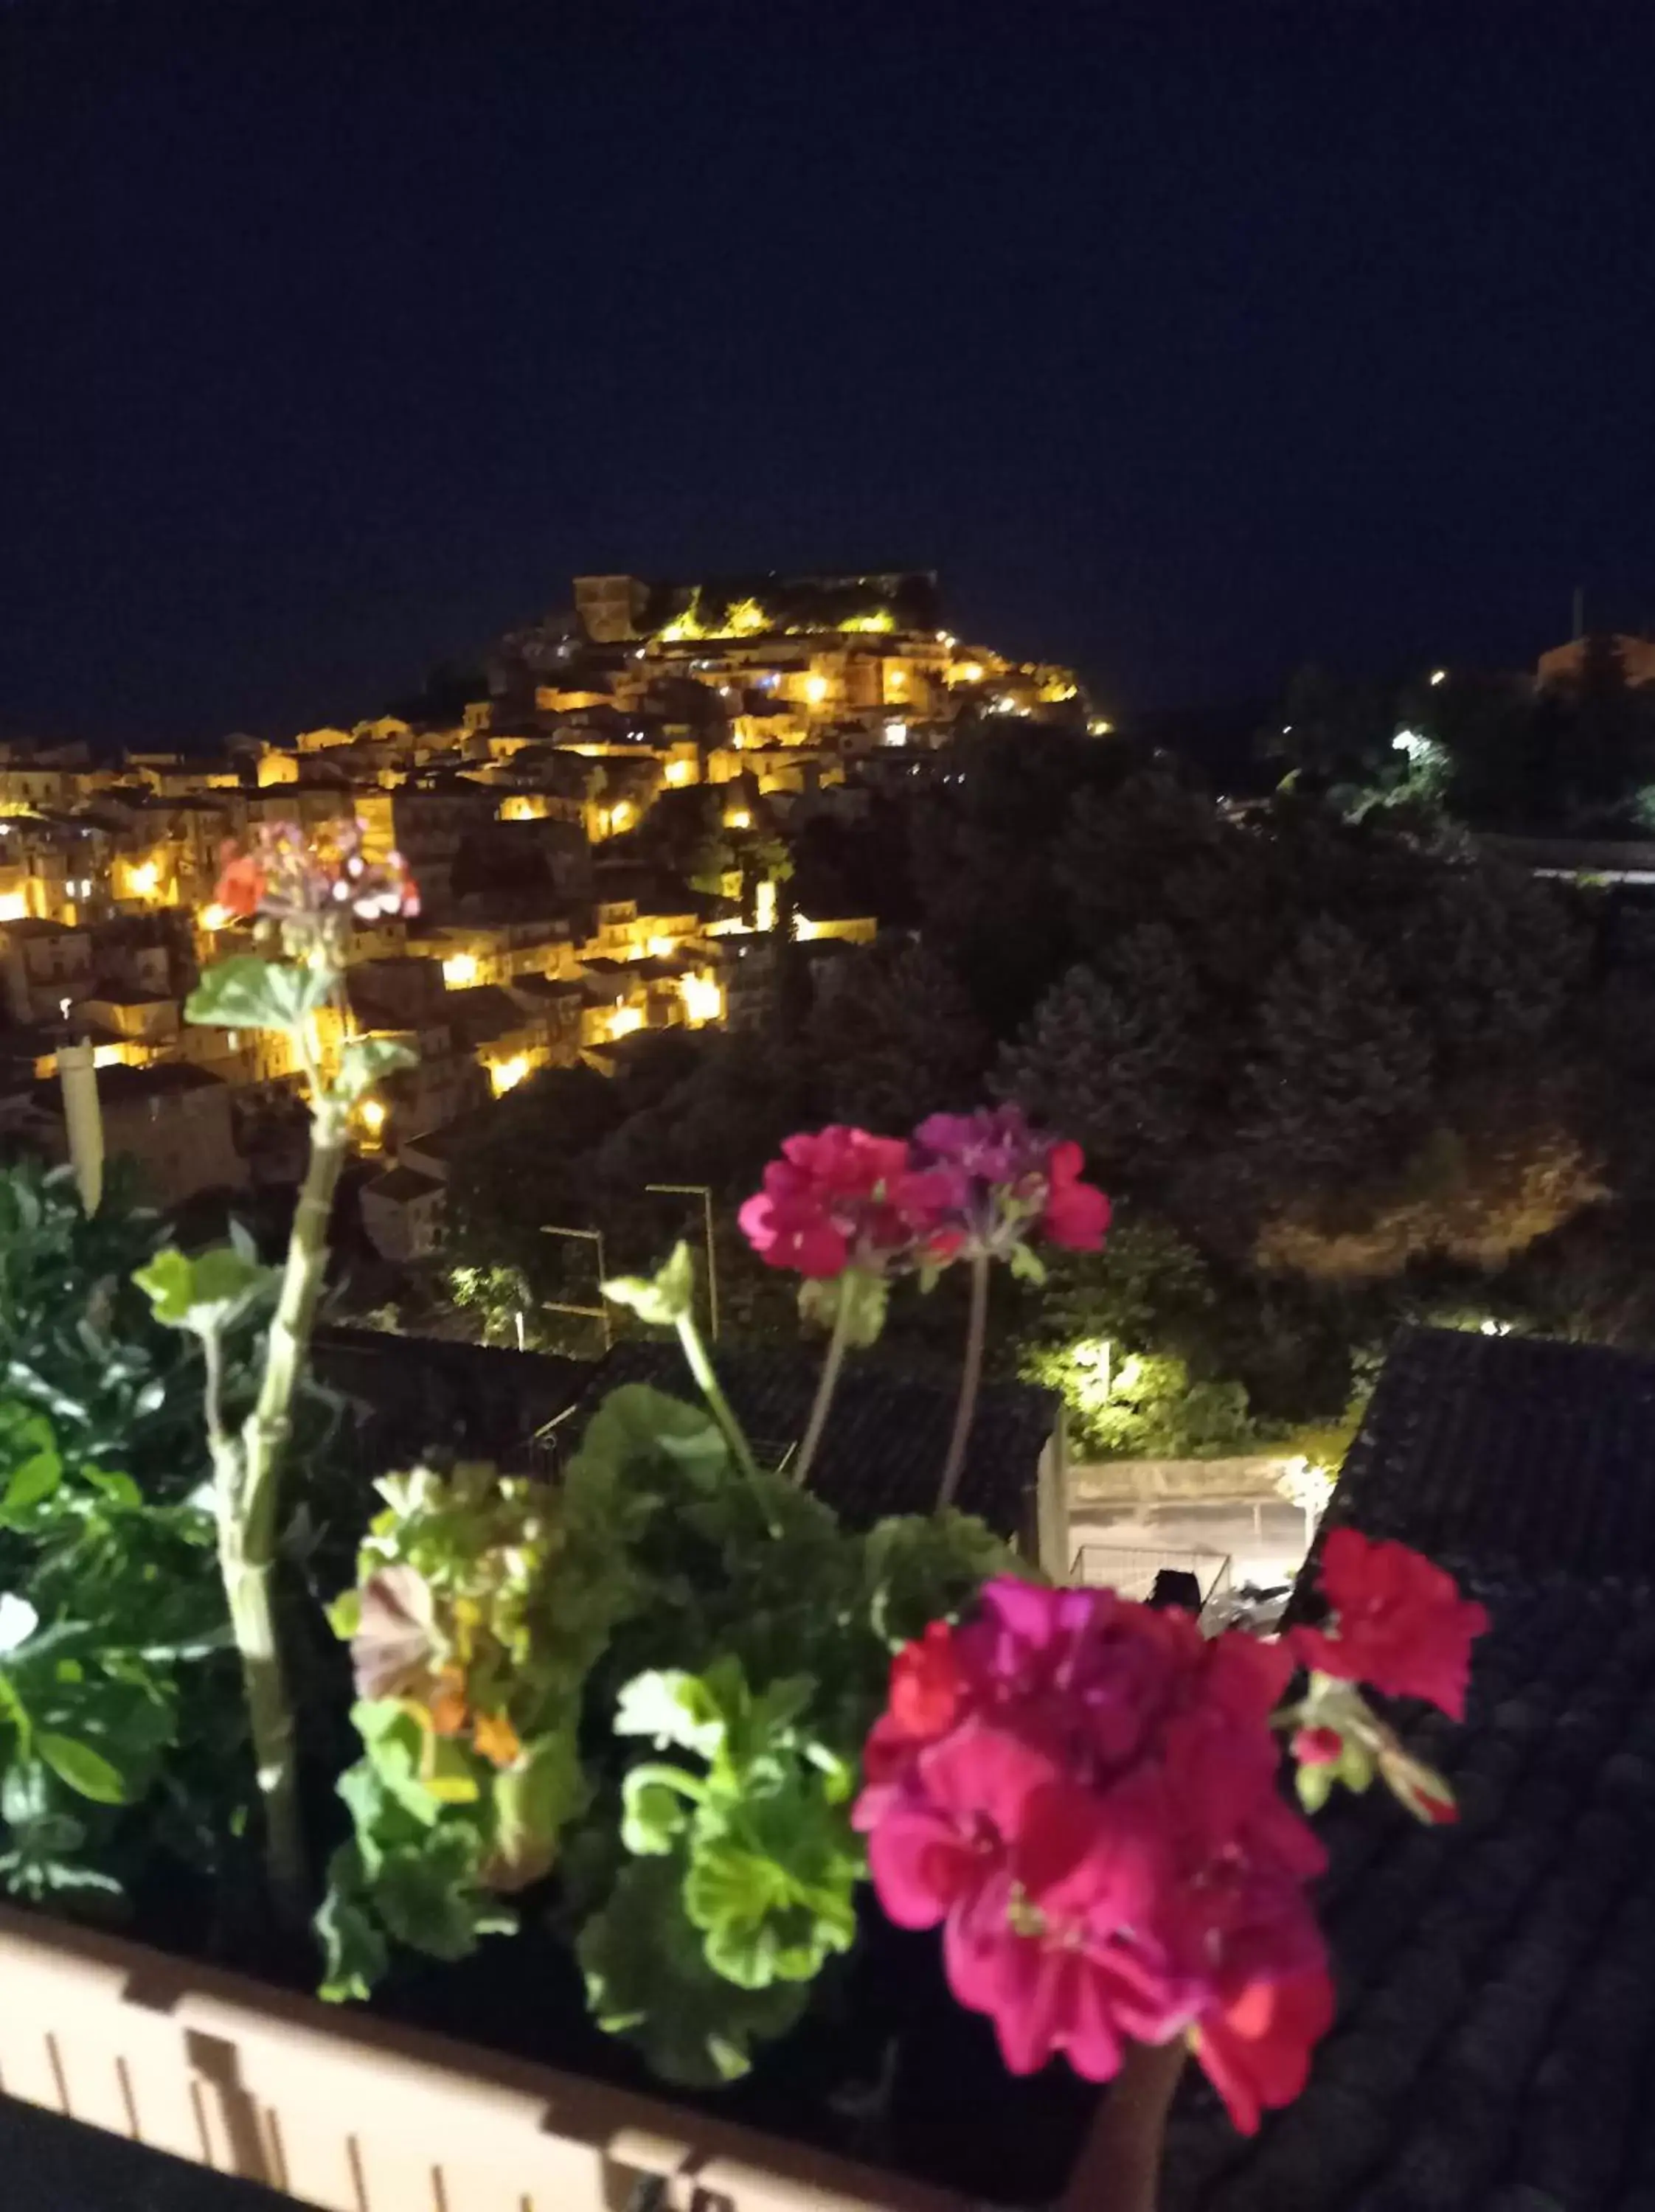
(886, 1436)
(417, 1395)
(1496, 2027)
(1494, 2047)
(1510, 1452)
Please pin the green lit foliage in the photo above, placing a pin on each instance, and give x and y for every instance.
(1142, 1405)
(752, 1820)
(77, 1341)
(116, 1704)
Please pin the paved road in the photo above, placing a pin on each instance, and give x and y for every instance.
(49, 2165)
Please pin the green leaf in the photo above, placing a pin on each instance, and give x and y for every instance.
(662, 1300)
(654, 1811)
(364, 1061)
(394, 1742)
(86, 1772)
(865, 1296)
(354, 1952)
(427, 1895)
(1314, 1785)
(534, 1800)
(647, 1979)
(1027, 1264)
(246, 993)
(918, 1568)
(205, 1294)
(36, 1478)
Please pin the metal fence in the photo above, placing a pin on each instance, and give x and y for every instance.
(1131, 1569)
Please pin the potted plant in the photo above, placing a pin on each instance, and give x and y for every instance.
(664, 1744)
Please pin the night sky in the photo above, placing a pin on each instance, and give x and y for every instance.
(1186, 342)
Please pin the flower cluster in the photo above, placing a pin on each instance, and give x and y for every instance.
(998, 1179)
(440, 1623)
(288, 877)
(964, 1186)
(1398, 1623)
(1083, 1792)
(838, 1199)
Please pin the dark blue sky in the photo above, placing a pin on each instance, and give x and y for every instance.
(1186, 341)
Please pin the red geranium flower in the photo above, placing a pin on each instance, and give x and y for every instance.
(1399, 1623)
(835, 1196)
(241, 882)
(1256, 2052)
(1077, 1213)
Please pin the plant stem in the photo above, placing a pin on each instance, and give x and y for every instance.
(695, 1351)
(1120, 2162)
(827, 1383)
(247, 1520)
(969, 1381)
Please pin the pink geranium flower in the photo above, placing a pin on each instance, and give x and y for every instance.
(1081, 1792)
(835, 1197)
(1399, 1623)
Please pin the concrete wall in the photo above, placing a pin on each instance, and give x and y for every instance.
(1116, 1482)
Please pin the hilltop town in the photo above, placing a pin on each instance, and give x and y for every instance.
(599, 822)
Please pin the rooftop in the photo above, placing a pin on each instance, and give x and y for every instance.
(886, 1437)
(1496, 1979)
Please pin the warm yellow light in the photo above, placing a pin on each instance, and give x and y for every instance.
(880, 621)
(506, 1074)
(523, 806)
(704, 1001)
(14, 906)
(662, 948)
(896, 678)
(764, 905)
(969, 671)
(737, 818)
(680, 771)
(1439, 676)
(1099, 726)
(214, 917)
(108, 1055)
(625, 1020)
(144, 880)
(686, 626)
(372, 1113)
(460, 971)
(622, 815)
(745, 618)
(816, 690)
(805, 930)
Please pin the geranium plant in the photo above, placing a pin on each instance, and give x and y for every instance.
(303, 898)
(669, 1705)
(847, 1211)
